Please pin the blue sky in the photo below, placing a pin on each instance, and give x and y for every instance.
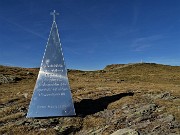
(93, 33)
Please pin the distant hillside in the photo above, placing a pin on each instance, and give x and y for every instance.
(145, 72)
(130, 65)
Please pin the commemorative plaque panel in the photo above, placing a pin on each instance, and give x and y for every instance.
(52, 96)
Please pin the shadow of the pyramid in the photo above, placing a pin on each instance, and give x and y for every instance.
(88, 106)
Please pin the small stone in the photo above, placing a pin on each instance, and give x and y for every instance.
(168, 118)
(146, 109)
(54, 121)
(20, 122)
(164, 95)
(156, 127)
(22, 109)
(56, 128)
(29, 73)
(160, 109)
(42, 129)
(25, 95)
(125, 131)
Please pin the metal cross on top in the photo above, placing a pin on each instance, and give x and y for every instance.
(54, 13)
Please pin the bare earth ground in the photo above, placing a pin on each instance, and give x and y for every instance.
(134, 99)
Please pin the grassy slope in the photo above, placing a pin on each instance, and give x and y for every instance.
(142, 79)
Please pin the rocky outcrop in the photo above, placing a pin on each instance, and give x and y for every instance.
(8, 79)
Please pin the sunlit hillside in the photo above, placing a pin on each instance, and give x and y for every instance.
(142, 98)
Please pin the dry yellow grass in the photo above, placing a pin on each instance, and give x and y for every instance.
(12, 117)
(99, 89)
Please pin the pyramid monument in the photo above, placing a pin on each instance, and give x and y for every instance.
(52, 96)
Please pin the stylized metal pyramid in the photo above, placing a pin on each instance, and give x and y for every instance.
(52, 95)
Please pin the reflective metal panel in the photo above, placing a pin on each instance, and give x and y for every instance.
(52, 96)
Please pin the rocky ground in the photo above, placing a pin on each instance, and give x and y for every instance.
(133, 99)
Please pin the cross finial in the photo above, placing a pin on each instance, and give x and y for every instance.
(54, 13)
